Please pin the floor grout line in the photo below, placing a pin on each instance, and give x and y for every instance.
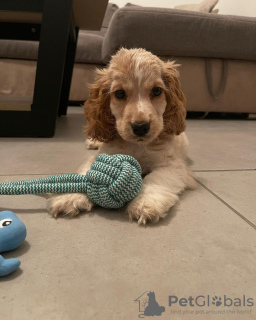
(33, 174)
(224, 170)
(227, 205)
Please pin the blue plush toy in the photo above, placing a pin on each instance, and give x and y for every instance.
(12, 234)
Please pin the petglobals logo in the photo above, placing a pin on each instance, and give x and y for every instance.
(148, 306)
(207, 301)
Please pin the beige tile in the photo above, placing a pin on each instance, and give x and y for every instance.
(63, 153)
(236, 188)
(95, 266)
(222, 145)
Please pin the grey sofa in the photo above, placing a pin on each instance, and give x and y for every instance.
(217, 54)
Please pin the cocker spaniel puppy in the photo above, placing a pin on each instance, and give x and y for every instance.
(136, 107)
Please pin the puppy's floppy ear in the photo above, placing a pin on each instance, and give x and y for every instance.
(100, 121)
(175, 113)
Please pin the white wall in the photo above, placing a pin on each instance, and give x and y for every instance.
(235, 7)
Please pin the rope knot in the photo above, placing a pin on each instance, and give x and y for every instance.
(114, 180)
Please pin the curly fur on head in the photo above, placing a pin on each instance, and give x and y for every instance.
(100, 121)
(136, 71)
(175, 113)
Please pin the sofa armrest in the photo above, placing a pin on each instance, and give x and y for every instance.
(172, 32)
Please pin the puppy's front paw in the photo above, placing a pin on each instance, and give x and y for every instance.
(150, 207)
(144, 213)
(69, 204)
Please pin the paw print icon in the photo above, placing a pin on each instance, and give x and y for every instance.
(216, 301)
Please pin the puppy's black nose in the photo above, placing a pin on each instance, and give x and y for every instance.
(140, 128)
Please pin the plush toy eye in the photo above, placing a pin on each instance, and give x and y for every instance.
(120, 94)
(156, 91)
(5, 222)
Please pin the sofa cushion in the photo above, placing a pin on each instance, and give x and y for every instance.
(15, 49)
(89, 43)
(88, 49)
(88, 46)
(205, 6)
(172, 32)
(111, 9)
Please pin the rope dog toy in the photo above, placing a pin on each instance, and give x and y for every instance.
(111, 182)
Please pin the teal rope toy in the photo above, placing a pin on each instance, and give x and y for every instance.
(111, 182)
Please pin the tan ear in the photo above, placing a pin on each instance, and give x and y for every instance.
(100, 121)
(175, 113)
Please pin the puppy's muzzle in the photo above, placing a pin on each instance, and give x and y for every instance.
(140, 128)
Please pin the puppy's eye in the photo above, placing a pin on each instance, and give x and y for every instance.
(120, 94)
(156, 91)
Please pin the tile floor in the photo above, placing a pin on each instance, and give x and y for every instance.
(97, 265)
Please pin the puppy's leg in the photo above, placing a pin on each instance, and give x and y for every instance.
(160, 192)
(71, 204)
